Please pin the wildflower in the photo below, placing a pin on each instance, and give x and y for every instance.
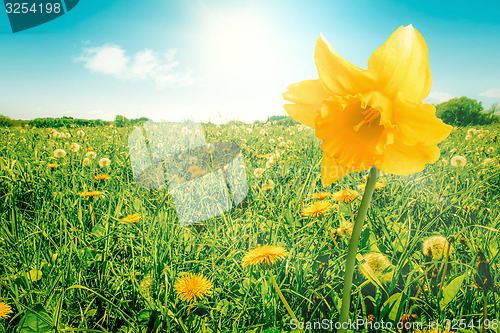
(67, 135)
(258, 172)
(59, 153)
(458, 161)
(269, 186)
(191, 287)
(267, 254)
(80, 133)
(480, 136)
(317, 208)
(468, 137)
(86, 161)
(320, 195)
(5, 310)
(210, 148)
(471, 131)
(75, 147)
(104, 162)
(88, 149)
(490, 150)
(132, 218)
(101, 177)
(90, 194)
(375, 116)
(91, 155)
(434, 247)
(378, 185)
(145, 285)
(272, 141)
(345, 195)
(488, 161)
(52, 165)
(378, 265)
(469, 208)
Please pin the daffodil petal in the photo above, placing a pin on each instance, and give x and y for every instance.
(402, 64)
(417, 122)
(401, 159)
(342, 139)
(331, 171)
(307, 96)
(340, 76)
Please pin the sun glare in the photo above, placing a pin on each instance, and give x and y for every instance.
(239, 42)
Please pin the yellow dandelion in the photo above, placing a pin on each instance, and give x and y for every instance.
(90, 194)
(435, 246)
(317, 208)
(345, 196)
(101, 177)
(320, 195)
(5, 310)
(378, 185)
(132, 218)
(267, 188)
(52, 165)
(191, 287)
(267, 254)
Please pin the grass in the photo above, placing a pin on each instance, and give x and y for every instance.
(70, 264)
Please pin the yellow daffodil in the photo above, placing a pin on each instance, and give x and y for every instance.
(374, 116)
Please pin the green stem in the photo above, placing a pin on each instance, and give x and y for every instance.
(353, 246)
(280, 294)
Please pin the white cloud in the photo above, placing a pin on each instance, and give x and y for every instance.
(112, 60)
(437, 97)
(493, 93)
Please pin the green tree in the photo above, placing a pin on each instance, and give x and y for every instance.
(463, 111)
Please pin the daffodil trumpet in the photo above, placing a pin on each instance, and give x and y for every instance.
(353, 245)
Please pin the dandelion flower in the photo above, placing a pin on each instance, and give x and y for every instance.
(379, 266)
(52, 165)
(90, 154)
(468, 137)
(471, 131)
(59, 153)
(267, 187)
(104, 162)
(434, 247)
(90, 194)
(191, 287)
(5, 310)
(132, 218)
(75, 147)
(267, 254)
(488, 161)
(345, 195)
(101, 177)
(458, 161)
(86, 161)
(320, 195)
(317, 208)
(374, 116)
(258, 172)
(80, 133)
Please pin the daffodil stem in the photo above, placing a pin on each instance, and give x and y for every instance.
(353, 247)
(280, 294)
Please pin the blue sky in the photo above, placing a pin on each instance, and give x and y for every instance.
(227, 60)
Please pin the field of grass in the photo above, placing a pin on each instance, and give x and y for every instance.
(73, 263)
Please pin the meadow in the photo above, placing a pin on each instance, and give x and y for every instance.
(83, 248)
